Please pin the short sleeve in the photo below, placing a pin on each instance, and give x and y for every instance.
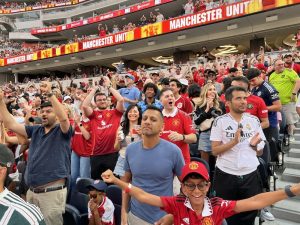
(262, 110)
(179, 163)
(169, 204)
(92, 115)
(293, 76)
(126, 162)
(226, 208)
(108, 215)
(30, 130)
(216, 130)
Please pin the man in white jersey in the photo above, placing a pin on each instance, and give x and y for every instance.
(13, 209)
(237, 138)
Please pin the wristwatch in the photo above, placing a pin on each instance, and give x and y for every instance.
(288, 192)
(294, 93)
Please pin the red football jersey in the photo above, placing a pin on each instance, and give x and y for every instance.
(215, 210)
(182, 124)
(184, 104)
(104, 126)
(79, 144)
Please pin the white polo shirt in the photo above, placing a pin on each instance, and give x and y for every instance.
(241, 159)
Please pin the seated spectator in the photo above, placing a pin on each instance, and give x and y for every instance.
(100, 208)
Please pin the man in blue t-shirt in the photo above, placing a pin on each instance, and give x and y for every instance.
(150, 164)
(130, 93)
(270, 96)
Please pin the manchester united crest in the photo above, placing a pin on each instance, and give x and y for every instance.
(175, 122)
(108, 115)
(207, 221)
(250, 106)
(193, 166)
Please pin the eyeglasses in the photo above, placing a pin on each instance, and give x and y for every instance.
(192, 187)
(93, 195)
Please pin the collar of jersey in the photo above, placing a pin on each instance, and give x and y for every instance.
(172, 114)
(207, 209)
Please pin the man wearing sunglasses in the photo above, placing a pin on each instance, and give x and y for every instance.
(100, 208)
(14, 210)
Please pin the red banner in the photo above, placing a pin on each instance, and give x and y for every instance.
(102, 17)
(222, 13)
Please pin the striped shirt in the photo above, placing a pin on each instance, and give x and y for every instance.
(14, 211)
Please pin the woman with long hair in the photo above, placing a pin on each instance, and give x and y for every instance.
(128, 132)
(208, 108)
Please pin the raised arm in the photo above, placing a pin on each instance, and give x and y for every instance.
(9, 120)
(265, 199)
(136, 192)
(115, 93)
(57, 107)
(86, 105)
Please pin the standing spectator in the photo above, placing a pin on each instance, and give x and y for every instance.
(160, 17)
(177, 124)
(237, 138)
(287, 83)
(150, 91)
(47, 181)
(289, 63)
(255, 105)
(130, 93)
(206, 110)
(104, 125)
(129, 131)
(270, 95)
(14, 210)
(181, 102)
(143, 20)
(189, 7)
(144, 170)
(102, 30)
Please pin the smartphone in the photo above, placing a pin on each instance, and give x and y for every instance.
(241, 127)
(90, 82)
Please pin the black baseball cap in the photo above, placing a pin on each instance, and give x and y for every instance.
(7, 158)
(287, 55)
(98, 185)
(252, 73)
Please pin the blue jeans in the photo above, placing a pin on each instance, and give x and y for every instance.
(80, 167)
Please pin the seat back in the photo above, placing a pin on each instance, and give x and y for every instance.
(71, 215)
(114, 193)
(117, 214)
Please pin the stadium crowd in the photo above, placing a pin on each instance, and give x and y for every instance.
(20, 5)
(141, 125)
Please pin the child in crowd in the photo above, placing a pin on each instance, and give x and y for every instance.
(192, 206)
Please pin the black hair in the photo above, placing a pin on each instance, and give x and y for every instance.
(99, 94)
(150, 85)
(151, 107)
(46, 104)
(178, 84)
(252, 73)
(226, 83)
(233, 69)
(229, 91)
(125, 123)
(241, 79)
(194, 91)
(162, 91)
(192, 176)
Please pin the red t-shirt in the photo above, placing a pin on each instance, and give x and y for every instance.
(215, 210)
(104, 126)
(257, 107)
(261, 66)
(295, 66)
(184, 104)
(102, 33)
(79, 144)
(182, 124)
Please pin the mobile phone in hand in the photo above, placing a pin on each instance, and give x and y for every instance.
(241, 127)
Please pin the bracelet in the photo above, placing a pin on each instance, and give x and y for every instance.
(49, 95)
(128, 189)
(253, 146)
(183, 137)
(288, 192)
(294, 93)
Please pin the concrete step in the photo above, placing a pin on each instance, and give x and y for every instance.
(295, 153)
(276, 222)
(291, 175)
(287, 210)
(297, 130)
(295, 144)
(280, 184)
(292, 162)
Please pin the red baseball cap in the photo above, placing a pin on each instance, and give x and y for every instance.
(194, 167)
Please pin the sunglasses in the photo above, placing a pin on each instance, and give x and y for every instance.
(93, 195)
(192, 187)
